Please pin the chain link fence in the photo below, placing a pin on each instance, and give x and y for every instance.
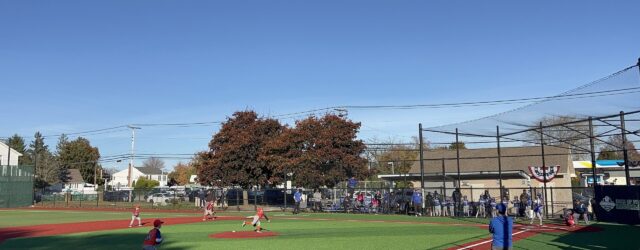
(431, 201)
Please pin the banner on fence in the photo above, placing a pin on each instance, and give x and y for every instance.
(620, 204)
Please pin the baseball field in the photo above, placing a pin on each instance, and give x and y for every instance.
(108, 229)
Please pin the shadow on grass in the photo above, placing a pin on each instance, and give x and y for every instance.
(69, 242)
(6, 234)
(612, 236)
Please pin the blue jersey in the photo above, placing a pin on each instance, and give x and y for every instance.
(501, 228)
(353, 182)
(416, 198)
(537, 206)
(465, 203)
(481, 201)
(436, 202)
(493, 204)
(297, 196)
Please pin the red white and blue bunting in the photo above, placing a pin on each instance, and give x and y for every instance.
(538, 172)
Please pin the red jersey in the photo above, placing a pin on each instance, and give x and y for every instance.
(210, 206)
(571, 220)
(260, 214)
(136, 212)
(153, 238)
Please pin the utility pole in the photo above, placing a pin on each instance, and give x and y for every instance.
(9, 154)
(132, 153)
(95, 175)
(133, 142)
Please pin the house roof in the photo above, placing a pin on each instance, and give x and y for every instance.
(13, 151)
(74, 176)
(486, 159)
(149, 170)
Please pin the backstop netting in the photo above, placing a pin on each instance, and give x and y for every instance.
(584, 137)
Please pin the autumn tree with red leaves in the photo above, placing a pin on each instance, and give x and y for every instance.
(233, 156)
(318, 151)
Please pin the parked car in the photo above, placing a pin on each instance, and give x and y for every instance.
(159, 198)
(117, 196)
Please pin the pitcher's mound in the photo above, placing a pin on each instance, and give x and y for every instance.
(242, 235)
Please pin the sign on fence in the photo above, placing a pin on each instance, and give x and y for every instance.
(619, 204)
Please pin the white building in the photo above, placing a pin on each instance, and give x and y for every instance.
(4, 154)
(119, 179)
(74, 184)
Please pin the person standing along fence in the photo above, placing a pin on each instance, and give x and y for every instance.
(297, 196)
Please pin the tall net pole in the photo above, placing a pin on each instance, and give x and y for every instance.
(458, 156)
(544, 172)
(624, 148)
(421, 166)
(593, 155)
(499, 162)
(421, 157)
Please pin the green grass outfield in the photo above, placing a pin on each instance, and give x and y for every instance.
(339, 231)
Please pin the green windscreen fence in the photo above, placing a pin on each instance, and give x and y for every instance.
(16, 186)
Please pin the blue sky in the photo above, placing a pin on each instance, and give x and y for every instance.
(69, 66)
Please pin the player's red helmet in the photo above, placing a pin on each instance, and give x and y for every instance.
(157, 222)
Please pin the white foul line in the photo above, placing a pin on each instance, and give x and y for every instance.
(487, 241)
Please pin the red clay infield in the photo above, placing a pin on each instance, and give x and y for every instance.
(242, 235)
(90, 226)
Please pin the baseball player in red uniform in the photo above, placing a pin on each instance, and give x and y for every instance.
(154, 237)
(135, 215)
(256, 220)
(208, 212)
(570, 220)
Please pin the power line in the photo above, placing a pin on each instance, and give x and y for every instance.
(534, 100)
